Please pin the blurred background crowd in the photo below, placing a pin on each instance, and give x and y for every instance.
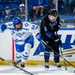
(37, 9)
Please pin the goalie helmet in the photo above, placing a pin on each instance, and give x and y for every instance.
(53, 12)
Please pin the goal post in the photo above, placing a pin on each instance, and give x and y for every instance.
(13, 50)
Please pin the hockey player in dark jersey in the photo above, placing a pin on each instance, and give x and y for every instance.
(49, 27)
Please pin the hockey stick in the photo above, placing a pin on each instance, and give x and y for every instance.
(17, 66)
(63, 60)
(65, 65)
(57, 53)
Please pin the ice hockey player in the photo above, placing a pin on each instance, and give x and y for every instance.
(22, 33)
(49, 27)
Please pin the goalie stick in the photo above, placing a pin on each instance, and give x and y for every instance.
(17, 66)
(58, 54)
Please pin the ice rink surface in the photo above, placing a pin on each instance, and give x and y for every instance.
(36, 70)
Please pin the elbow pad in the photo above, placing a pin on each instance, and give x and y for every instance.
(3, 27)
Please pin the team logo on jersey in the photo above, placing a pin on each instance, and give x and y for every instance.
(20, 34)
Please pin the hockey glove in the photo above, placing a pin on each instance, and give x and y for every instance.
(39, 37)
(3, 27)
(58, 42)
(56, 28)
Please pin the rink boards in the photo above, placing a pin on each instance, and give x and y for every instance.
(67, 35)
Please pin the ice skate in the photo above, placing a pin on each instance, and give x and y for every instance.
(57, 65)
(46, 65)
(16, 62)
(22, 65)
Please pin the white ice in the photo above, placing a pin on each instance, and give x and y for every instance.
(36, 70)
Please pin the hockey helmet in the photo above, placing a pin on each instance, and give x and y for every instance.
(53, 12)
(16, 21)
